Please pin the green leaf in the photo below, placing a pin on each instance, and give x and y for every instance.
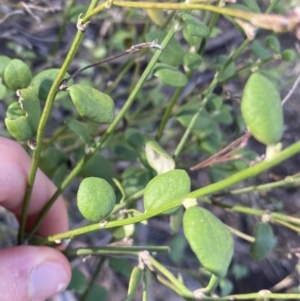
(261, 109)
(121, 266)
(78, 281)
(172, 53)
(43, 81)
(134, 137)
(289, 55)
(210, 240)
(229, 71)
(80, 130)
(98, 167)
(134, 179)
(92, 104)
(95, 199)
(204, 124)
(22, 118)
(51, 159)
(97, 293)
(273, 43)
(169, 75)
(252, 4)
(3, 91)
(177, 248)
(192, 60)
(165, 188)
(4, 61)
(17, 75)
(156, 16)
(157, 157)
(125, 151)
(194, 26)
(191, 40)
(264, 241)
(260, 51)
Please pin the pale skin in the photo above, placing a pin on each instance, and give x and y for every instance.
(30, 273)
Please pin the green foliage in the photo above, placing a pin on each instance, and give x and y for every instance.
(95, 199)
(17, 74)
(209, 238)
(262, 110)
(199, 102)
(166, 187)
(92, 104)
(43, 81)
(22, 118)
(264, 241)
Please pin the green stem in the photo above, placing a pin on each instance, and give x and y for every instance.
(213, 283)
(55, 136)
(206, 98)
(177, 6)
(213, 188)
(241, 234)
(116, 250)
(105, 136)
(94, 278)
(42, 126)
(178, 91)
(289, 181)
(253, 296)
(181, 288)
(62, 27)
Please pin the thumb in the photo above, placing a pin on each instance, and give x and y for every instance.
(32, 273)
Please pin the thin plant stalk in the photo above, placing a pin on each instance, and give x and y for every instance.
(42, 125)
(105, 136)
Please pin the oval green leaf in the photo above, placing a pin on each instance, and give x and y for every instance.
(157, 157)
(92, 104)
(22, 118)
(18, 123)
(173, 52)
(169, 75)
(4, 60)
(98, 167)
(192, 60)
(43, 81)
(194, 26)
(264, 241)
(273, 43)
(209, 238)
(17, 75)
(261, 109)
(165, 188)
(95, 199)
(80, 130)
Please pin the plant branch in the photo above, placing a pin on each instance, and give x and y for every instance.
(213, 188)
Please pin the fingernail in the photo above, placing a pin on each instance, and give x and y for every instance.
(46, 280)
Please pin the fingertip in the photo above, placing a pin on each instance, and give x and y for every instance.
(33, 273)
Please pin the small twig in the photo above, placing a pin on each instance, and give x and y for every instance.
(132, 49)
(225, 154)
(295, 85)
(16, 12)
